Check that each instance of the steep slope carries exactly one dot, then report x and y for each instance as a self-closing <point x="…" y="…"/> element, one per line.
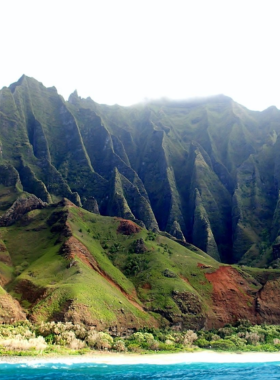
<point x="193" y="158"/>
<point x="63" y="263"/>
<point x="205" y="171"/>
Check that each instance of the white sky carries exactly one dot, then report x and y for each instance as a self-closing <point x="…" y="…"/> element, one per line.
<point x="123" y="51"/>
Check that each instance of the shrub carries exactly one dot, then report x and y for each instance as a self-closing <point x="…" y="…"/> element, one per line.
<point x="189" y="338"/>
<point x="91" y="338"/>
<point x="202" y="343"/>
<point x="103" y="341"/>
<point x="148" y="337"/>
<point x="134" y="347"/>
<point x="52" y="328"/>
<point x="171" y="337"/>
<point x="119" y="346"/>
<point x="140" y="337"/>
<point x="65" y="338"/>
<point x="215" y="337"/>
<point x="165" y="347"/>
<point x="18" y="344"/>
<point x="9" y="331"/>
<point x="153" y="345"/>
<point x="223" y="344"/>
<point x="253" y="338"/>
<point x="269" y="348"/>
<point x="239" y="342"/>
<point x="226" y="331"/>
<point x="169" y="342"/>
<point x="77" y="344"/>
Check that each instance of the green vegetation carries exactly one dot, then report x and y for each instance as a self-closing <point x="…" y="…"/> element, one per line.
<point x="64" y="263"/>
<point x="204" y="171"/>
<point x="68" y="338"/>
<point x="179" y="173"/>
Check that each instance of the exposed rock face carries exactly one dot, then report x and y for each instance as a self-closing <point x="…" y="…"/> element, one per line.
<point x="202" y="232"/>
<point x="29" y="291"/>
<point x="32" y="184"/>
<point x="188" y="302"/>
<point x="20" y="207"/>
<point x="91" y="205"/>
<point x="177" y="232"/>
<point x="234" y="298"/>
<point x="58" y="221"/>
<point x="190" y="315"/>
<point x="10" y="310"/>
<point x="127" y="227"/>
<point x="8" y="175"/>
<point x="73" y="249"/>
<point x="268" y="301"/>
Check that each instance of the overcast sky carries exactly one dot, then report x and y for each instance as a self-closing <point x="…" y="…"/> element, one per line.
<point x="123" y="51"/>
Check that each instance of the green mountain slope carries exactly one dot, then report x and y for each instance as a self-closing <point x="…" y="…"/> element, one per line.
<point x="60" y="262"/>
<point x="205" y="171"/>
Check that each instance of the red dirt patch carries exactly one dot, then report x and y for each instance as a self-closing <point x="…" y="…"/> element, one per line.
<point x="232" y="297"/>
<point x="127" y="227"/>
<point x="73" y="248"/>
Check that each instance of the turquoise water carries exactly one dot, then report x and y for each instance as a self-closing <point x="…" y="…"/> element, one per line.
<point x="196" y="371"/>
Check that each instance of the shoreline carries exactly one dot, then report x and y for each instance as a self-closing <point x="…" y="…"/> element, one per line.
<point x="157" y="359"/>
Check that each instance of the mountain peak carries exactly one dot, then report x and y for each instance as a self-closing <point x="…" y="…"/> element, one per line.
<point x="74" y="97"/>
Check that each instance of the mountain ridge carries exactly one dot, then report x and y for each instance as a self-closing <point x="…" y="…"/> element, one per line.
<point x="121" y="218"/>
<point x="185" y="167"/>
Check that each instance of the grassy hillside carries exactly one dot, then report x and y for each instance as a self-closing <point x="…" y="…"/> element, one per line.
<point x="60" y="262"/>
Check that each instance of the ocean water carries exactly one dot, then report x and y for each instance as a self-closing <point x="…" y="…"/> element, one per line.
<point x="194" y="371"/>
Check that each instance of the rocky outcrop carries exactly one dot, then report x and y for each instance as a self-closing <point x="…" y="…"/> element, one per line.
<point x="10" y="310"/>
<point x="8" y="175"/>
<point x="202" y="232"/>
<point x="127" y="227"/>
<point x="21" y="206"/>
<point x="169" y="274"/>
<point x="267" y="302"/>
<point x="33" y="185"/>
<point x="29" y="291"/>
<point x="177" y="232"/>
<point x="91" y="205"/>
<point x="138" y="246"/>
